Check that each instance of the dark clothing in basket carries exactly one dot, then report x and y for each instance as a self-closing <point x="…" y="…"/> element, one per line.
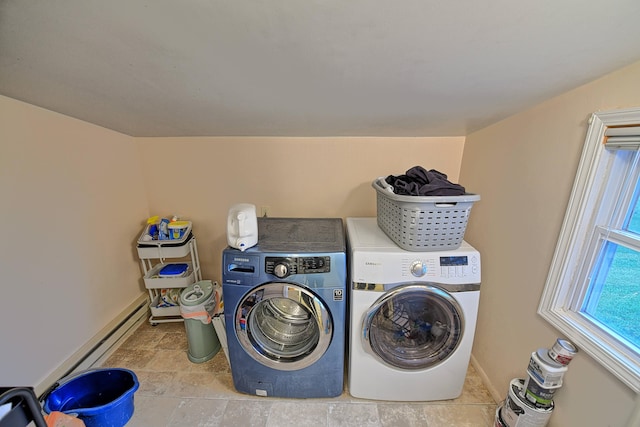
<point x="419" y="182"/>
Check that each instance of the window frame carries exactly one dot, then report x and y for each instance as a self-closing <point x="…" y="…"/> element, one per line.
<point x="577" y="248"/>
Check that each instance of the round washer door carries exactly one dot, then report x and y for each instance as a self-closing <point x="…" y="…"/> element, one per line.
<point x="283" y="326"/>
<point x="413" y="327"/>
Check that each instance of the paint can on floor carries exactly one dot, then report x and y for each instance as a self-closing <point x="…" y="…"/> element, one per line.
<point x="540" y="396"/>
<point x="562" y="351"/>
<point x="519" y="412"/>
<point x="499" y="422"/>
<point x="547" y="372"/>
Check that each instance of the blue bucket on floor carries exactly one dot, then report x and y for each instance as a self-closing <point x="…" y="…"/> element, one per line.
<point x="100" y="397"/>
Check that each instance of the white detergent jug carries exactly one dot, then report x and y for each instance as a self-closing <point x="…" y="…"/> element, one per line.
<point x="242" y="226"/>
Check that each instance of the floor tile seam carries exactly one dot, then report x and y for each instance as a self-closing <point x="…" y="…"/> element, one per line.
<point x="423" y="403"/>
<point x="205" y="397"/>
<point x="344" y="400"/>
<point x="241" y="398"/>
<point x="140" y="348"/>
<point x="183" y="397"/>
<point x="335" y="403"/>
<point x="459" y="404"/>
<point x="283" y="399"/>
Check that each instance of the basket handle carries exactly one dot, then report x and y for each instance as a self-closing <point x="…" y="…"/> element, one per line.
<point x="445" y="205"/>
<point x="383" y="184"/>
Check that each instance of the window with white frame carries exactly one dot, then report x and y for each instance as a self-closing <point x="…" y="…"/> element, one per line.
<point x="592" y="293"/>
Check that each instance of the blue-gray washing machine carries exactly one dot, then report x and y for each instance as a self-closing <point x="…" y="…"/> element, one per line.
<point x="285" y="309"/>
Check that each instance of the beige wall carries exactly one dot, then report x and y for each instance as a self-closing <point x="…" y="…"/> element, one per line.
<point x="523" y="167"/>
<point x="72" y="199"/>
<point x="200" y="178"/>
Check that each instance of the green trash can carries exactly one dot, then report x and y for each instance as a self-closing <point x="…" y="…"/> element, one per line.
<point x="198" y="304"/>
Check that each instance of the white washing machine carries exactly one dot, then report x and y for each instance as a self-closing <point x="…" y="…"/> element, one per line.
<point x="412" y="317"/>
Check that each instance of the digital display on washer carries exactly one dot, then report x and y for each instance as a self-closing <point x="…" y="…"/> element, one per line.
<point x="450" y="261"/>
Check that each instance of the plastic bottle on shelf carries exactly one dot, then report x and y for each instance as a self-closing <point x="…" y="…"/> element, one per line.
<point x="152" y="232"/>
<point x="163" y="233"/>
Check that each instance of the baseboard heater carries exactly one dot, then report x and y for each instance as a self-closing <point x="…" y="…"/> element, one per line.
<point x="101" y="345"/>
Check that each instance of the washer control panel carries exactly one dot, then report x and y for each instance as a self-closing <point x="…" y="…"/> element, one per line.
<point x="445" y="268"/>
<point x="451" y="266"/>
<point x="282" y="267"/>
<point x="458" y="266"/>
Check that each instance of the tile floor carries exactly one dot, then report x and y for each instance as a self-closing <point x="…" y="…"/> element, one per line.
<point x="175" y="392"/>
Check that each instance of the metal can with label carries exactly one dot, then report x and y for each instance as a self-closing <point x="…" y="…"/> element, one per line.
<point x="562" y="351"/>
<point x="545" y="370"/>
<point x="498" y="421"/>
<point x="519" y="412"/>
<point x="540" y="396"/>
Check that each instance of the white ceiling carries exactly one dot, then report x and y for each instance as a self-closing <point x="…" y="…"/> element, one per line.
<point x="306" y="67"/>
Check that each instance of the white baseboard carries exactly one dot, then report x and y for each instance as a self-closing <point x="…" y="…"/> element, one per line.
<point x="102" y="344"/>
<point x="498" y="396"/>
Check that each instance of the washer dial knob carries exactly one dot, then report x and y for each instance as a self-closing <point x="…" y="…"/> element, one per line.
<point x="418" y="268"/>
<point x="281" y="270"/>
